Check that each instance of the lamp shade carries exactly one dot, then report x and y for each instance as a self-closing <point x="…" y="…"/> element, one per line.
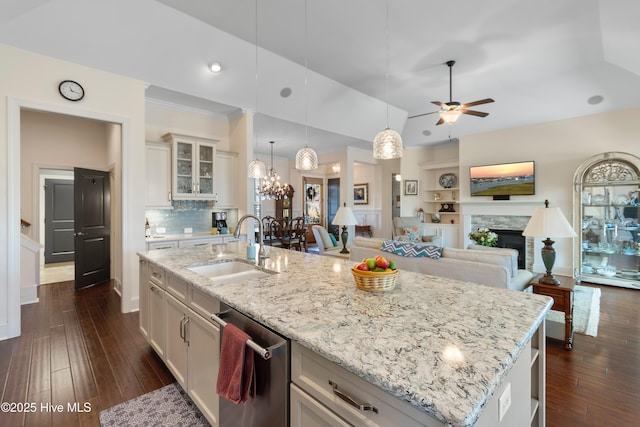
<point x="344" y="216"/>
<point x="387" y="145"/>
<point x="306" y="159"/>
<point x="548" y="222"/>
<point x="257" y="169"/>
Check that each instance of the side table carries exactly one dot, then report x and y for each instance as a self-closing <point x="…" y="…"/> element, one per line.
<point x="363" y="229"/>
<point x="562" y="295"/>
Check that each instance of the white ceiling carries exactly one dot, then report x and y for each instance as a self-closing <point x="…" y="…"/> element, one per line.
<point x="541" y="61"/>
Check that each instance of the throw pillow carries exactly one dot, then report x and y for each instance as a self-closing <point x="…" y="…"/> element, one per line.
<point x="333" y="239"/>
<point x="412" y="250"/>
<point x="413" y="233"/>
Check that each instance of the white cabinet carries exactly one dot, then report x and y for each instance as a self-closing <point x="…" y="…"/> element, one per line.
<point x="157" y="311"/>
<point x="193" y="167"/>
<point x="203" y="362"/>
<point x="177" y="339"/>
<point x="226" y="181"/>
<point x="143" y="291"/>
<point x="176" y="318"/>
<point x="158" y="174"/>
<point x="333" y="396"/>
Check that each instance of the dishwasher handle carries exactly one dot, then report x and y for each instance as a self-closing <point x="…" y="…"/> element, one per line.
<point x="265" y="353"/>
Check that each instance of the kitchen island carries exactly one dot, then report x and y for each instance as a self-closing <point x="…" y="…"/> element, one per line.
<point x="442" y="346"/>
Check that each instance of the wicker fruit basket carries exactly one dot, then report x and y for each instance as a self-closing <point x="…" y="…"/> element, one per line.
<point x="375" y="281"/>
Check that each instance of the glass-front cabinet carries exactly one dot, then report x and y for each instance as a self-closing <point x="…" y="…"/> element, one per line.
<point x="607" y="208"/>
<point x="193" y="167"/>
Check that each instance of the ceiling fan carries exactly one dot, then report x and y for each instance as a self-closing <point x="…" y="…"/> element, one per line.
<point x="452" y="110"/>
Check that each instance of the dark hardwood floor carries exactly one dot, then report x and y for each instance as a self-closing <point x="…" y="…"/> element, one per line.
<point x="78" y="347"/>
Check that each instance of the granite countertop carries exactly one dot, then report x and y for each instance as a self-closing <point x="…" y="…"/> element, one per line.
<point x="441" y="345"/>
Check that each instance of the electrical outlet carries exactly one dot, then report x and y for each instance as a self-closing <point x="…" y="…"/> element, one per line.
<point x="504" y="402"/>
<point x="188" y="230"/>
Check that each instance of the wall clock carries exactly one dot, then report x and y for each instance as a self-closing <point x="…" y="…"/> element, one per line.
<point x="71" y="90"/>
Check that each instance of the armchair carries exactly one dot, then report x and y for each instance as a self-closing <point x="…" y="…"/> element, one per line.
<point x="324" y="241"/>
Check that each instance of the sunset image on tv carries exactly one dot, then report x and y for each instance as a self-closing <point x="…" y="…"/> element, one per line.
<point x="504" y="179"/>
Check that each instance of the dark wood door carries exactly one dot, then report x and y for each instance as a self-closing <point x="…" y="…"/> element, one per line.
<point x="92" y="204"/>
<point x="58" y="220"/>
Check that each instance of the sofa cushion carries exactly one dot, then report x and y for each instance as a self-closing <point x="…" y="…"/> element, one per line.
<point x="412" y="250"/>
<point x="487" y="257"/>
<point x="513" y="253"/>
<point x="367" y="242"/>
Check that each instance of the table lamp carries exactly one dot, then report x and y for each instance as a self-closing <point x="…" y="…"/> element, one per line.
<point x="548" y="222"/>
<point x="344" y="217"/>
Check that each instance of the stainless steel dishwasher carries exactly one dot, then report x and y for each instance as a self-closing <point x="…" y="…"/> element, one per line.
<point x="271" y="405"/>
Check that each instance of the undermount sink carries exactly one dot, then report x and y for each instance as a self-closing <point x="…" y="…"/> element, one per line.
<point x="229" y="271"/>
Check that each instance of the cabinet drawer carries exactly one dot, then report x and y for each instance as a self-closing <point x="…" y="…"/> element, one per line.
<point x="177" y="287"/>
<point x="156" y="275"/>
<point x="313" y="374"/>
<point x="191" y="243"/>
<point x="203" y="303"/>
<point x="170" y="244"/>
<point x="561" y="299"/>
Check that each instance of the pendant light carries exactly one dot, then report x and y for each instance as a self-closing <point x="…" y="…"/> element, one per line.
<point x="256" y="169"/>
<point x="306" y="158"/>
<point x="388" y="143"/>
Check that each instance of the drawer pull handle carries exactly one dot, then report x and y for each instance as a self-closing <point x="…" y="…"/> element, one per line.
<point x="351" y="401"/>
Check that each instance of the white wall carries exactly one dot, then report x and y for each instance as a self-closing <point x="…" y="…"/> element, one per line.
<point x="558" y="148"/>
<point x="29" y="81"/>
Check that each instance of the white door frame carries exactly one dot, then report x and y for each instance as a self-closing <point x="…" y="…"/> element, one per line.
<point x="14" y="107"/>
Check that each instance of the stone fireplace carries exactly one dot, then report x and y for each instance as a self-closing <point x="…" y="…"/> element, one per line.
<point x="509" y="230"/>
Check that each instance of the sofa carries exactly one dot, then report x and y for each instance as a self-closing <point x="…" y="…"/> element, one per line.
<point x="496" y="267"/>
<point x="410" y="228"/>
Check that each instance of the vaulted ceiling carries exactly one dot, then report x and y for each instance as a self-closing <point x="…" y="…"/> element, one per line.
<point x="540" y="61"/>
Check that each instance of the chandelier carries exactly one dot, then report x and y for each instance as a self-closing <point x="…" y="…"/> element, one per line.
<point x="271" y="186"/>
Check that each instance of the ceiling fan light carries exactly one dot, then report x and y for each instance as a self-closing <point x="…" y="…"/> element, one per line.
<point x="450" y="116"/>
<point x="306" y="159"/>
<point x="387" y="145"/>
<point x="257" y="169"/>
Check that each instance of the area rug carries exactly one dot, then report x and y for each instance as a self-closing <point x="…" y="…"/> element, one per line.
<point x="586" y="311"/>
<point x="167" y="406"/>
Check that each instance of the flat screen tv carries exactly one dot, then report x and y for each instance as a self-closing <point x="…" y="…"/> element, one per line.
<point x="505" y="179"/>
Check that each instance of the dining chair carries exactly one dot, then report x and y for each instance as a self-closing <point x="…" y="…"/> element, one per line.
<point x="266" y="227"/>
<point x="279" y="232"/>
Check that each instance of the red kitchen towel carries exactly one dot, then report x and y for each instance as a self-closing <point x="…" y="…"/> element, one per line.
<point x="236" y="373"/>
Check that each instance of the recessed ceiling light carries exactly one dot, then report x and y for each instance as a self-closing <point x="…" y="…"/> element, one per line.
<point x="285" y="92"/>
<point x="595" y="99"/>
<point x="215" y="67"/>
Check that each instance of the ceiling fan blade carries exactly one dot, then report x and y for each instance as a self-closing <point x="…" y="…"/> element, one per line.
<point x="423" y="114"/>
<point x="441" y="121"/>
<point x="441" y="105"/>
<point x="482" y="101"/>
<point x="474" y="113"/>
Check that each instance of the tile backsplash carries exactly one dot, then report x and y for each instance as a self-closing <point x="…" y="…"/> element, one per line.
<point x="195" y="214"/>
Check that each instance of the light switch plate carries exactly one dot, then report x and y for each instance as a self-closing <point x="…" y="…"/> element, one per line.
<point x="188" y="230"/>
<point x="504" y="402"/>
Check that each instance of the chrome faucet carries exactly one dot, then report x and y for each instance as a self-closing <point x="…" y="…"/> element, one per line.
<point x="262" y="253"/>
